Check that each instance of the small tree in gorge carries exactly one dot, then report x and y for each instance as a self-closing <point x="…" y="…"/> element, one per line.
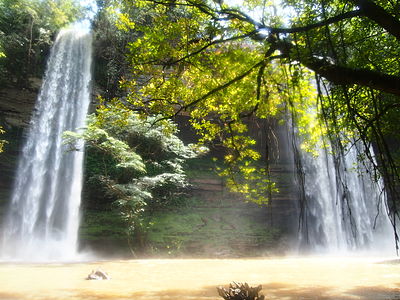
<point x="133" y="162"/>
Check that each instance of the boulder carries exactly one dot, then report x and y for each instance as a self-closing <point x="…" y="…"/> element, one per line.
<point x="98" y="275"/>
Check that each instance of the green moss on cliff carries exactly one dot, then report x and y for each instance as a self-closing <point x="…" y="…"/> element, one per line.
<point x="210" y="229"/>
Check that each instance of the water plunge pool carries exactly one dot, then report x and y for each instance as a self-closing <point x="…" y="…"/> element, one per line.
<point x="281" y="278"/>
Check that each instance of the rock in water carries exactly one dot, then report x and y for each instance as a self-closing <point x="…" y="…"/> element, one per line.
<point x="98" y="275"/>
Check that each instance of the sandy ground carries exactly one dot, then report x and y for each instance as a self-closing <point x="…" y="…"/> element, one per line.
<point x="281" y="278"/>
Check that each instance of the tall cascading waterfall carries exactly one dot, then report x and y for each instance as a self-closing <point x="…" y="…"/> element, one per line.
<point x="344" y="209"/>
<point x="43" y="218"/>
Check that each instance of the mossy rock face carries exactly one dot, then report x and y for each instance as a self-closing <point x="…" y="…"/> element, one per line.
<point x="218" y="231"/>
<point x="98" y="224"/>
<point x="195" y="230"/>
<point x="9" y="162"/>
<point x="210" y="222"/>
<point x="104" y="233"/>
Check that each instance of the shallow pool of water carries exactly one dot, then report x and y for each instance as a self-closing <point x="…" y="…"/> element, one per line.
<point x="281" y="278"/>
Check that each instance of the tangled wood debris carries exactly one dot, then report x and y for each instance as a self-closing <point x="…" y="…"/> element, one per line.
<point x="240" y="291"/>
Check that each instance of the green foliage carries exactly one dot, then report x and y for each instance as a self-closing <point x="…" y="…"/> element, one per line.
<point x="226" y="69"/>
<point x="109" y="50"/>
<point x="184" y="61"/>
<point x="137" y="163"/>
<point x="26" y="31"/>
<point x="356" y="112"/>
<point x="357" y="43"/>
<point x="2" y="142"/>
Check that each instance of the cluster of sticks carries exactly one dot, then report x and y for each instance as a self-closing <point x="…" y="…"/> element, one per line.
<point x="240" y="291"/>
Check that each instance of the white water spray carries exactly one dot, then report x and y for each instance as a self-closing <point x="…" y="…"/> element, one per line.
<point x="43" y="217"/>
<point x="345" y="209"/>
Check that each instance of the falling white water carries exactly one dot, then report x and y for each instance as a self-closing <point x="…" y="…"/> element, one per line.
<point x="345" y="208"/>
<point x="43" y="217"/>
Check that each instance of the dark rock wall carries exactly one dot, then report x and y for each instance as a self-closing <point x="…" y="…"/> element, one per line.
<point x="16" y="107"/>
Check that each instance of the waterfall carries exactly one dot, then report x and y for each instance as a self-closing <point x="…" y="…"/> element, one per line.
<point x="345" y="209"/>
<point x="43" y="217"/>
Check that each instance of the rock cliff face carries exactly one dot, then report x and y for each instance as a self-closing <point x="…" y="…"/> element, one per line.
<point x="16" y="107"/>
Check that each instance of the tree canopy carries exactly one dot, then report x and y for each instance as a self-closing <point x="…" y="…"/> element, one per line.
<point x="27" y="28"/>
<point x="226" y="66"/>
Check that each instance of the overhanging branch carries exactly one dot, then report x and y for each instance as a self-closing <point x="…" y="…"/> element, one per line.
<point x="343" y="75"/>
<point x="380" y="16"/>
<point x="335" y="19"/>
<point x="215" y="42"/>
<point x="347" y="76"/>
<point x="221" y="87"/>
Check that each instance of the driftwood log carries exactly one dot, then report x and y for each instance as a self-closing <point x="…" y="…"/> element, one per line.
<point x="240" y="291"/>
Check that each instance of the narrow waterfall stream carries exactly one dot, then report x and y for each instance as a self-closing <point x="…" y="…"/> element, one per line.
<point x="43" y="217"/>
<point x="345" y="209"/>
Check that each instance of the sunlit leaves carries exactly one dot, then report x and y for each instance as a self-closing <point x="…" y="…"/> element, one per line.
<point x="124" y="22"/>
<point x="2" y="142"/>
<point x="195" y="59"/>
<point x="187" y="62"/>
<point x="206" y="60"/>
